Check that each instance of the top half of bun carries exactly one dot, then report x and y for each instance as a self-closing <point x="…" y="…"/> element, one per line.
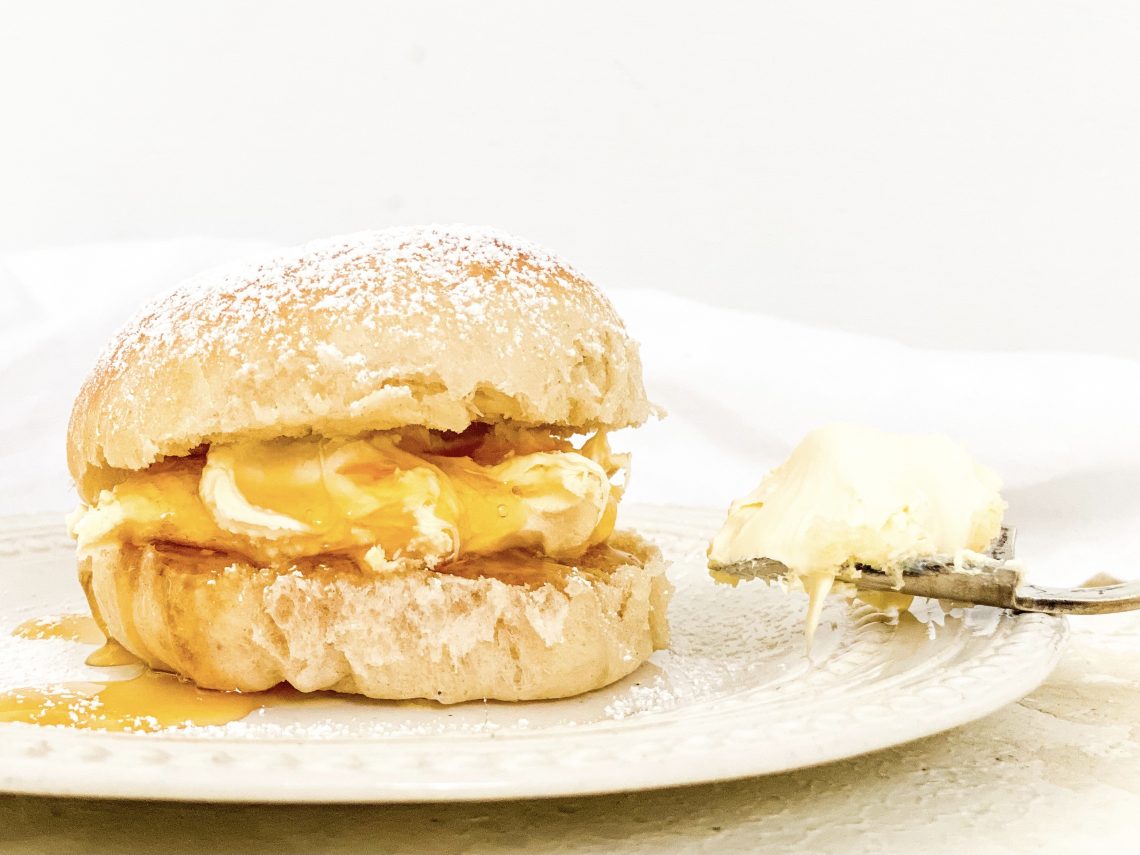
<point x="433" y="326"/>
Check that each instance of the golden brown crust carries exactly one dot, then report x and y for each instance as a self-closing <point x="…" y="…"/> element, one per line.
<point x="436" y="326"/>
<point x="230" y="625"/>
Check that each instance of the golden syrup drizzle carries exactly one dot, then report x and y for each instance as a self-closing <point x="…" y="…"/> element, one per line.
<point x="722" y="578"/>
<point x="885" y="601"/>
<point x="151" y="701"/>
<point x="519" y="567"/>
<point x="111" y="654"/>
<point x="81" y="628"/>
<point x="424" y="703"/>
<point x="125" y="603"/>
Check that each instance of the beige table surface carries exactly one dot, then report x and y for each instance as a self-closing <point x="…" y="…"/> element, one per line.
<point x="1057" y="772"/>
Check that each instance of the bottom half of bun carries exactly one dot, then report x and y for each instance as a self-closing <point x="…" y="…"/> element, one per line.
<point x="328" y="624"/>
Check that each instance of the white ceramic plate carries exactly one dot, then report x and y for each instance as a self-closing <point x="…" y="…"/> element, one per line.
<point x="734" y="696"/>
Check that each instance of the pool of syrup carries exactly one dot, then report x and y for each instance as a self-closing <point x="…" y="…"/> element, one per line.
<point x="151" y="701"/>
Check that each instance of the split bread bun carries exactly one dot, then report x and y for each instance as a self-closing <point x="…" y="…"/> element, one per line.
<point x="375" y="464"/>
<point x="424" y="634"/>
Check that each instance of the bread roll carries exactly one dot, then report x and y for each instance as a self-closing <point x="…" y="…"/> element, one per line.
<point x="450" y="329"/>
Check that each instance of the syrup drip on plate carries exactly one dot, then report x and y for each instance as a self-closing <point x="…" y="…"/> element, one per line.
<point x="81" y="628"/>
<point x="111" y="654"/>
<point x="151" y="701"/>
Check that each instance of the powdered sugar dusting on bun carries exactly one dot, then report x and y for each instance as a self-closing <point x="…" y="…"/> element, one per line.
<point x="436" y="326"/>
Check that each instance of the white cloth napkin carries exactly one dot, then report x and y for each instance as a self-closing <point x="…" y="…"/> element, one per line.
<point x="740" y="390"/>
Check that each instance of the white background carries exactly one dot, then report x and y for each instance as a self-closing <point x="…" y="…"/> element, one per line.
<point x="959" y="174"/>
